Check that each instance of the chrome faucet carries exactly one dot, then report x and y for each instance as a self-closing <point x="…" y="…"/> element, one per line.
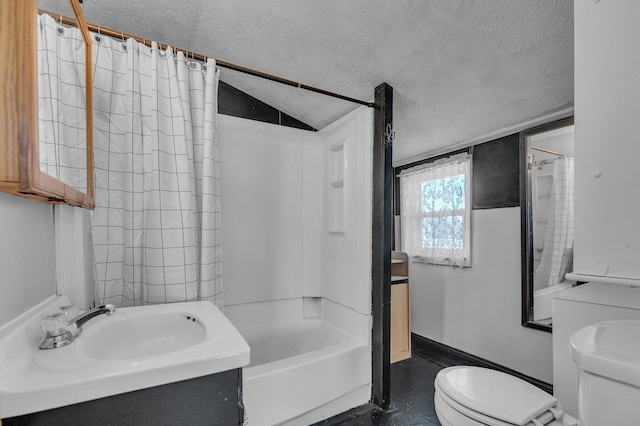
<point x="63" y="327"/>
<point x="81" y="319"/>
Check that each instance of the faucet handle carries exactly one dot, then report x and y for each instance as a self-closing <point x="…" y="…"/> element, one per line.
<point x="70" y="311"/>
<point x="55" y="324"/>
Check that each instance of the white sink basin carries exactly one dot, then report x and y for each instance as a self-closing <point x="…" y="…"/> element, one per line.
<point x="127" y="334"/>
<point x="135" y="348"/>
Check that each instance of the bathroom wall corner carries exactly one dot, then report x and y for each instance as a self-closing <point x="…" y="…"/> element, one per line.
<point x="74" y="255"/>
<point x="26" y="255"/>
<point x="312" y="217"/>
<point x="312" y="307"/>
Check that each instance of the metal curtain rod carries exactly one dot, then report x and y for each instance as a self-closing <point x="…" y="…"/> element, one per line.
<point x="200" y="57"/>
<point x="548" y="151"/>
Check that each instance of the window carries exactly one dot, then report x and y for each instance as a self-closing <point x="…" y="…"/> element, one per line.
<point x="435" y="211"/>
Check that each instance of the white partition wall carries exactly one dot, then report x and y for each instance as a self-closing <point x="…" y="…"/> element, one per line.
<point x="347" y="191"/>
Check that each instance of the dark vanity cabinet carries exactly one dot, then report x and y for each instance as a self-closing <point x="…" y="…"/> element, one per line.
<point x="209" y="400"/>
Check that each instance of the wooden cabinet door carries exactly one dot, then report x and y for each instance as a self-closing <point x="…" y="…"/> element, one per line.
<point x="400" y="330"/>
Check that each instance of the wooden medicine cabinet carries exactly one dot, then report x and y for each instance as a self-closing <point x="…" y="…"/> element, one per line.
<point x="20" y="168"/>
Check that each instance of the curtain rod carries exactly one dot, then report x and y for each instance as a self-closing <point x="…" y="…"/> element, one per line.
<point x="548" y="151"/>
<point x="224" y="64"/>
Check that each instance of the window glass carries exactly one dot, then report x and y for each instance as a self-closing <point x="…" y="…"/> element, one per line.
<point x="434" y="215"/>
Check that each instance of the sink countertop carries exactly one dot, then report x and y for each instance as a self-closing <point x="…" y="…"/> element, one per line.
<point x="33" y="380"/>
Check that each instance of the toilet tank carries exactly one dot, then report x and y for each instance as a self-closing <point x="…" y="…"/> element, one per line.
<point x="607" y="356"/>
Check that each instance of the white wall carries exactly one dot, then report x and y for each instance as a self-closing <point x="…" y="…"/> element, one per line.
<point x="74" y="255"/>
<point x="261" y="177"/>
<point x="478" y="309"/>
<point x="27" y="272"/>
<point x="607" y="84"/>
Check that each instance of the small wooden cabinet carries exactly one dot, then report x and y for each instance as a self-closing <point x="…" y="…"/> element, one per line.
<point x="400" y="307"/>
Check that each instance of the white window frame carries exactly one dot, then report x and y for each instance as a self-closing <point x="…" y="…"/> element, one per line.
<point x="411" y="234"/>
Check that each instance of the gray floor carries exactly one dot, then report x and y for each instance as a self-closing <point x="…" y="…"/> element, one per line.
<point x="411" y="393"/>
<point x="411" y="398"/>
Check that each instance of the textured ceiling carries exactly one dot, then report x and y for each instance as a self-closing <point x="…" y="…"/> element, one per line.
<point x="460" y="69"/>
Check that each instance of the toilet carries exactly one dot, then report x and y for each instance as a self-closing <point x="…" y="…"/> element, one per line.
<point x="607" y="356"/>
<point x="474" y="396"/>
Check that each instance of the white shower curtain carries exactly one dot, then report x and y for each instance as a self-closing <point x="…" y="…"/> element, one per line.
<point x="156" y="224"/>
<point x="557" y="252"/>
<point x="61" y="103"/>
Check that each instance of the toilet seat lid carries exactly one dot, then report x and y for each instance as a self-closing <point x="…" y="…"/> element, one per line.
<point x="494" y="394"/>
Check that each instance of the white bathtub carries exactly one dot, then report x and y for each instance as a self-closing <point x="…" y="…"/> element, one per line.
<point x="302" y="370"/>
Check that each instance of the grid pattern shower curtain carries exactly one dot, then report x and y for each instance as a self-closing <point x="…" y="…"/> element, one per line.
<point x="61" y="93"/>
<point x="557" y="253"/>
<point x="156" y="224"/>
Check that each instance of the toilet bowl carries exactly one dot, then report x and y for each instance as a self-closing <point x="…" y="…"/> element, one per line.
<point x="474" y="396"/>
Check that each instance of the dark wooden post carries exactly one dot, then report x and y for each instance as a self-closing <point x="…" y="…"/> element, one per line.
<point x="381" y="245"/>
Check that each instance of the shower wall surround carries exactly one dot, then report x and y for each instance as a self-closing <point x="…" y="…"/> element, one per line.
<point x="279" y="230"/>
<point x="262" y="200"/>
<point x="346" y="261"/>
<point x="296" y="231"/>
